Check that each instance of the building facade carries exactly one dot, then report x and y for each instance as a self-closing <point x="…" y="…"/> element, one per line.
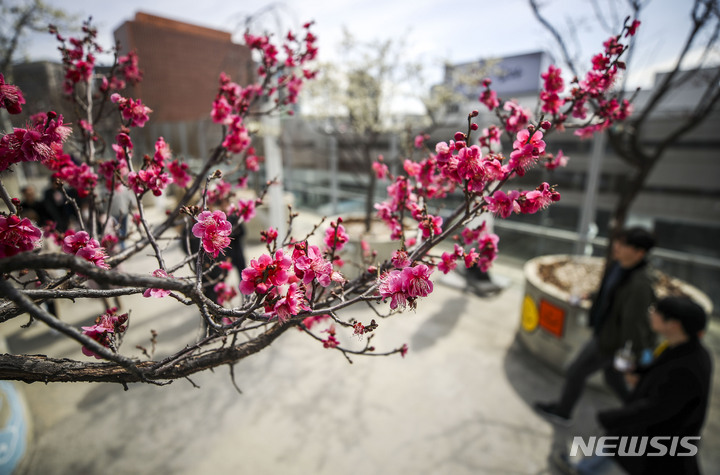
<point x="181" y="65"/>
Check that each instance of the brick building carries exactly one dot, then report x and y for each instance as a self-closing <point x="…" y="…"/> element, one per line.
<point x="181" y="65"/>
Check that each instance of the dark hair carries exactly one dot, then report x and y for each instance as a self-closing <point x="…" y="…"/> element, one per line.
<point x="637" y="237"/>
<point x="691" y="316"/>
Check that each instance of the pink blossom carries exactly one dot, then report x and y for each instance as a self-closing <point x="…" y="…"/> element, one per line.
<point x="220" y="192"/>
<point x="490" y="99"/>
<point x="108" y="170"/>
<point x="416" y="281"/>
<point x="11" y="97"/>
<point x="265" y="271"/>
<point x="502" y="204"/>
<point x="158" y="293"/>
<point x="400" y="259"/>
<point x="553" y="79"/>
<point x="404" y="286"/>
<point x="81" y="177"/>
<point x="632" y="28"/>
<point x="359" y="329"/>
<point x="152" y="179"/>
<point x="526" y="149"/>
<point x="105" y="329"/>
<point x="221" y="110"/>
<point x="518" y="118"/>
<point x="291" y="304"/>
<point x="365" y="248"/>
<point x="551" y="102"/>
<point x="431" y="226"/>
<point x="74" y="241"/>
<point x="579" y="109"/>
<point x="470" y="164"/>
<point x="93" y="253"/>
<point x="82" y="245"/>
<point x="269" y="235"/>
<point x="487" y="251"/>
<point x="109" y="241"/>
<point x="471" y="258"/>
<point x="556" y="161"/>
<point x="213" y="228"/>
<point x="237" y="138"/>
<point x="309" y="322"/>
<point x="128" y="67"/>
<point x="490" y="136"/>
<point x="162" y="152"/>
<point x="225" y="293"/>
<point x="17" y="235"/>
<point x="540" y="198"/>
<point x="380" y="169"/>
<point x="448" y="262"/>
<point x="39" y="142"/>
<point x="590" y="130"/>
<point x="252" y="161"/>
<point x="311" y="265"/>
<point x="412" y="168"/>
<point x="391" y="286"/>
<point x="331" y="341"/>
<point x="134" y="112"/>
<point x="600" y="62"/>
<point x="471" y="235"/>
<point x="179" y="173"/>
<point x="246" y="209"/>
<point x="335" y="236"/>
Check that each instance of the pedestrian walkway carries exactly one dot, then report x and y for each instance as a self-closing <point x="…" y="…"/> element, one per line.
<point x="459" y="403"/>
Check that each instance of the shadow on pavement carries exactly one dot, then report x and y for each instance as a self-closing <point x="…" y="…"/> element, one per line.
<point x="439" y="325"/>
<point x="533" y="380"/>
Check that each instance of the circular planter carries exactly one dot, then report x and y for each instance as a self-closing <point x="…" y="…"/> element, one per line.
<point x="554" y="320"/>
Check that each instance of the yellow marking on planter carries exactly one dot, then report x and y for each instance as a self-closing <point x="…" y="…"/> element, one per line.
<point x="530" y="315"/>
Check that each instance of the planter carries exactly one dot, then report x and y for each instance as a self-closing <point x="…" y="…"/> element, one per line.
<point x="554" y="321"/>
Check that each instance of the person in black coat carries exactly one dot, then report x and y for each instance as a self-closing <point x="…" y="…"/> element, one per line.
<point x="617" y="317"/>
<point x="671" y="395"/>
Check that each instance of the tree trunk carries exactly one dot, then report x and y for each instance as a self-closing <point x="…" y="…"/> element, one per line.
<point x="627" y="197"/>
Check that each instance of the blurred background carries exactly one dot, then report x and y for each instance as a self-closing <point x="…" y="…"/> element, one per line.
<point x="390" y="71"/>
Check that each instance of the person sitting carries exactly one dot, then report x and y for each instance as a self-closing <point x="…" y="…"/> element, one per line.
<point x="671" y="395"/>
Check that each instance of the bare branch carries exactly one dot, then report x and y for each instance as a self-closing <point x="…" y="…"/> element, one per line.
<point x="558" y="37"/>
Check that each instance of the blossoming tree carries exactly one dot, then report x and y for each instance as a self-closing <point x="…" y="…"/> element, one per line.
<point x="631" y="142"/>
<point x="298" y="283"/>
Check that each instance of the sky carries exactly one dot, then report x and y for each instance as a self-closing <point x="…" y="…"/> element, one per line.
<point x="434" y="31"/>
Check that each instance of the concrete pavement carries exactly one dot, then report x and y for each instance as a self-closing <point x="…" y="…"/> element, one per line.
<point x="459" y="403"/>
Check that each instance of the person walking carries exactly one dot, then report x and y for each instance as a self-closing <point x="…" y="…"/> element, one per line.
<point x="660" y="424"/>
<point x="618" y="318"/>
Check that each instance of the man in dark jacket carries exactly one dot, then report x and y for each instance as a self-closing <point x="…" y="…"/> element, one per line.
<point x="618" y="317"/>
<point x="671" y="397"/>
